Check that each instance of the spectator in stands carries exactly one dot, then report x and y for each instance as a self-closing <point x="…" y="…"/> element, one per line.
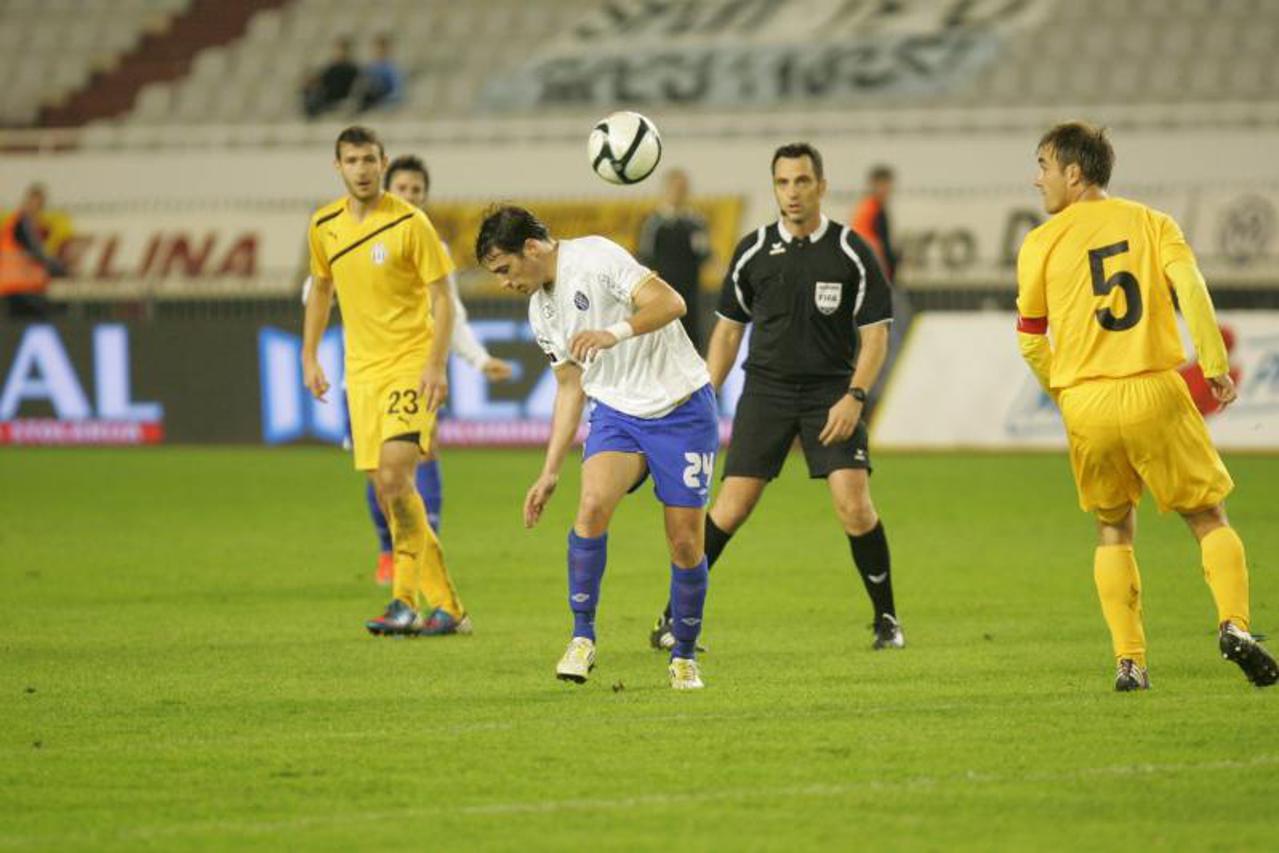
<point x="674" y="242"/>
<point x="381" y="82"/>
<point x="331" y="85"/>
<point x="871" y="222"/>
<point x="870" y="218"/>
<point x="25" y="268"/>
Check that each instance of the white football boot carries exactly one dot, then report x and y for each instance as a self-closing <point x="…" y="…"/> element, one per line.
<point x="685" y="675"/>
<point x="578" y="661"/>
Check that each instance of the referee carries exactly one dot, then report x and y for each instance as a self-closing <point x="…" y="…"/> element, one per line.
<point x="821" y="309"/>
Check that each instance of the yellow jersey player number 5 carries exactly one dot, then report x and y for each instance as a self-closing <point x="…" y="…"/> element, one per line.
<point x="1099" y="277"/>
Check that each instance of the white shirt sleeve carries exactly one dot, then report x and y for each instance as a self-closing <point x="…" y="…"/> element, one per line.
<point x="620" y="274"/>
<point x="464" y="342"/>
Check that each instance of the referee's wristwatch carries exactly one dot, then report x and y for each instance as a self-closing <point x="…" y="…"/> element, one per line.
<point x="858" y="394"/>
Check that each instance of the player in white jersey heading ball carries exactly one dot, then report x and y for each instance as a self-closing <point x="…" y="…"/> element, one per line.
<point x="607" y="324"/>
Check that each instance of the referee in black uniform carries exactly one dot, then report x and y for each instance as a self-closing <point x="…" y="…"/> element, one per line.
<point x="821" y="309"/>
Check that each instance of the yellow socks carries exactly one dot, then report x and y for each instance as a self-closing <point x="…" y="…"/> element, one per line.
<point x="1119" y="588"/>
<point x="437" y="587"/>
<point x="1226" y="572"/>
<point x="407" y="519"/>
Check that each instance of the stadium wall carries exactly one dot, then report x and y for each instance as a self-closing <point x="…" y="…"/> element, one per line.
<point x="960" y="384"/>
<point x="232" y="221"/>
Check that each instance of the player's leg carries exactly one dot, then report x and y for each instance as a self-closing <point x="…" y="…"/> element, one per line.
<point x="607" y="475"/>
<point x="846" y="468"/>
<point x="429" y="483"/>
<point x="681" y="456"/>
<point x="1225" y="568"/>
<point x="1225" y="564"/>
<point x="689" y="581"/>
<point x="397" y="459"/>
<point x="1177" y="460"/>
<point x="405" y="428"/>
<point x="868" y="543"/>
<point x="1118" y="583"/>
<point x="386" y="560"/>
<point x="763" y="428"/>
<point x="1109" y="488"/>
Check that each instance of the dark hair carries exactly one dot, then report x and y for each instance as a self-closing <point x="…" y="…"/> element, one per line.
<point x="357" y="135"/>
<point x="881" y="172"/>
<point x="406" y="163"/>
<point x="1084" y="145"/>
<point x="794" y="151"/>
<point x="505" y="229"/>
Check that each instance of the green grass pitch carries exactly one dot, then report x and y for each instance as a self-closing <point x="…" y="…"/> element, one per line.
<point x="183" y="666"/>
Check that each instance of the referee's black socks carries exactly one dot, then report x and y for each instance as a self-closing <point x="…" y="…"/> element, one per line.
<point x="870" y="553"/>
<point x="716" y="539"/>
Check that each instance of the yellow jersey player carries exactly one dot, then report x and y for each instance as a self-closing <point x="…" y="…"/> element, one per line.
<point x="1099" y="276"/>
<point x="390" y="271"/>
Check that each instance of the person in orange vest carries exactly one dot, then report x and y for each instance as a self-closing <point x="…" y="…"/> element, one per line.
<point x="25" y="269"/>
<point x="870" y="218"/>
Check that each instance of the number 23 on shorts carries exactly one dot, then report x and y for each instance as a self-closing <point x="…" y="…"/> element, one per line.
<point x="403" y="402"/>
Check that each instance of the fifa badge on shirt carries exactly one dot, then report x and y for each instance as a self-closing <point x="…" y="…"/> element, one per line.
<point x="580" y="300"/>
<point x="827" y="296"/>
<point x="379" y="253"/>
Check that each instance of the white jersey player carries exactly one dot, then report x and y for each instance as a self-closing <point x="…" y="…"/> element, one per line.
<point x="607" y="324"/>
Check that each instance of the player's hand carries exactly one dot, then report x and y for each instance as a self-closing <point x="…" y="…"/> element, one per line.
<point x="1223" y="389"/>
<point x="585" y="345"/>
<point x="314" y="379"/>
<point x="841" y="421"/>
<point x="496" y="370"/>
<point x="538" y="496"/>
<point x="434" y="387"/>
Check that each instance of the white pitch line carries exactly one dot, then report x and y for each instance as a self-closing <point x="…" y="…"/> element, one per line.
<point x="639" y="801"/>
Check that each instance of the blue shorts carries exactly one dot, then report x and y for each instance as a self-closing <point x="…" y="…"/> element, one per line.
<point x="679" y="447"/>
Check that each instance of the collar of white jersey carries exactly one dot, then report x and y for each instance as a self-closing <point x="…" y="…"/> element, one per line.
<point x="812" y="238"/>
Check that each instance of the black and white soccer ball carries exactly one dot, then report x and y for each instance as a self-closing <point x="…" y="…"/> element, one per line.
<point x="624" y="148"/>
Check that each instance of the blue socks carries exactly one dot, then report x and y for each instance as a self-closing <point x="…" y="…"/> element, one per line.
<point x="429" y="486"/>
<point x="586" y="558"/>
<point x="688" y="598"/>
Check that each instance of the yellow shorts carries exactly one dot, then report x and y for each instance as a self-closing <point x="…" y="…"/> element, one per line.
<point x="382" y="409"/>
<point x="1141" y="429"/>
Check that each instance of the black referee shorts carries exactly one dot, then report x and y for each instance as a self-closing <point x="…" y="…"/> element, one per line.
<point x="770" y="415"/>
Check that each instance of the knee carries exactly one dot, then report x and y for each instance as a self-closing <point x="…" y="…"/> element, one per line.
<point x="1116" y="526"/>
<point x="857" y="515"/>
<point x="592" y="515"/>
<point x="686" y="549"/>
<point x="392" y="486"/>
<point x="1204" y="521"/>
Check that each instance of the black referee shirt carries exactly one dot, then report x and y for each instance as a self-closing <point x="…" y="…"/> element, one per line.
<point x="807" y="297"/>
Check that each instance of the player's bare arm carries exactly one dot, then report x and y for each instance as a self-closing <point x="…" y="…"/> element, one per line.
<point x="844" y="415"/>
<point x="656" y="304"/>
<point x="434" y="388"/>
<point x="318" y="305"/>
<point x="570" y="399"/>
<point x="721" y="351"/>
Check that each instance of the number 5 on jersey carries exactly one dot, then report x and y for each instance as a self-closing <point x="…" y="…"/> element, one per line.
<point x="1125" y="281"/>
<point x="697" y="475"/>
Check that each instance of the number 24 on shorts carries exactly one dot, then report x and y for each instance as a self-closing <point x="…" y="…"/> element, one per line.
<point x="700" y="465"/>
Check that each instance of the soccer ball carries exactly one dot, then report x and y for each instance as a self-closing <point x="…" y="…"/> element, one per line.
<point x="624" y="148"/>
